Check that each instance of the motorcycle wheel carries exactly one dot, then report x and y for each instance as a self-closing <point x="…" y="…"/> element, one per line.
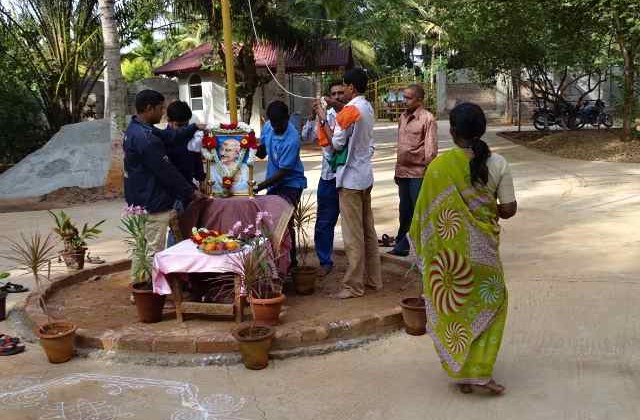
<point x="606" y="120"/>
<point x="541" y="121"/>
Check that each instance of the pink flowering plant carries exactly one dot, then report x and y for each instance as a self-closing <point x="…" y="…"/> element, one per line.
<point x="134" y="225"/>
<point x="257" y="266"/>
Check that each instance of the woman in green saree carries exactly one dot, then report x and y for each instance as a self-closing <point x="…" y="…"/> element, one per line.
<point x="455" y="238"/>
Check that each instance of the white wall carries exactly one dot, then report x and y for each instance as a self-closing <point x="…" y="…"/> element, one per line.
<point x="213" y="93"/>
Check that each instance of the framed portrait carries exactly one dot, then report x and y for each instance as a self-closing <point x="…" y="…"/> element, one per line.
<point x="230" y="158"/>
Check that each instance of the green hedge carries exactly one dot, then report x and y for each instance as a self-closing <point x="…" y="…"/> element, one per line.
<point x="23" y="127"/>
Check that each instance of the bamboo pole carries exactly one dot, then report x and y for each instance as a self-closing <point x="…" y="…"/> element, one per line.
<point x="228" y="58"/>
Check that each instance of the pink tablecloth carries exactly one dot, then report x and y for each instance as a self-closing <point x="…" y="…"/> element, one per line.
<point x="221" y="213"/>
<point x="184" y="258"/>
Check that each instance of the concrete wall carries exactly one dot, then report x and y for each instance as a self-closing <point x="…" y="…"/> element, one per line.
<point x="166" y="86"/>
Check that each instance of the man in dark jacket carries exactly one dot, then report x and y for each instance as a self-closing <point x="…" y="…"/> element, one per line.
<point x="150" y="179"/>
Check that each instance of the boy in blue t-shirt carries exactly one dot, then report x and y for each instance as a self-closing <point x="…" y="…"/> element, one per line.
<point x="280" y="142"/>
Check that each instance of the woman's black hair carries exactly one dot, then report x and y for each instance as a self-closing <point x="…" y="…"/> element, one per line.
<point x="469" y="123"/>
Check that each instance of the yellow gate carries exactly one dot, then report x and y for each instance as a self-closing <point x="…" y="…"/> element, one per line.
<point x="386" y="96"/>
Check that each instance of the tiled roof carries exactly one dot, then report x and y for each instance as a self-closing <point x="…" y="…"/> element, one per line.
<point x="332" y="56"/>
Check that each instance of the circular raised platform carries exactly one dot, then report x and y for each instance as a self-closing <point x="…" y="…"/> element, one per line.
<point x="97" y="301"/>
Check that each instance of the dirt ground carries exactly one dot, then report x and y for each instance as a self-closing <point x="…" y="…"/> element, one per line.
<point x="103" y="304"/>
<point x="593" y="145"/>
<point x="60" y="198"/>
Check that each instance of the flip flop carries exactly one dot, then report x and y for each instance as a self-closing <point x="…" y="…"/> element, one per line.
<point x="5" y="339"/>
<point x="94" y="260"/>
<point x="11" y="349"/>
<point x="13" y="288"/>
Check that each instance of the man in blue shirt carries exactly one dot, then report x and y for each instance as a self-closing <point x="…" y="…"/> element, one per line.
<point x="280" y="141"/>
<point x="150" y="179"/>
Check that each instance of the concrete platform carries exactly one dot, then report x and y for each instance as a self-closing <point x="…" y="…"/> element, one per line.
<point x="97" y="301"/>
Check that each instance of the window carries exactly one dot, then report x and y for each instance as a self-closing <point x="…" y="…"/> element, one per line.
<point x="195" y="93"/>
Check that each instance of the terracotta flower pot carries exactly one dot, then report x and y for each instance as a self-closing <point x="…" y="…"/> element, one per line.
<point x="414" y="316"/>
<point x="3" y="305"/>
<point x="267" y="311"/>
<point x="58" y="340"/>
<point x="254" y="342"/>
<point x="74" y="259"/>
<point x="149" y="304"/>
<point x="304" y="279"/>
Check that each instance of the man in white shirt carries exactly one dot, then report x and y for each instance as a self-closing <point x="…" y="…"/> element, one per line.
<point x="353" y="145"/>
<point x="328" y="203"/>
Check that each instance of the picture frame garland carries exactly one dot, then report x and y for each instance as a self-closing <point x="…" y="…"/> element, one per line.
<point x="248" y="145"/>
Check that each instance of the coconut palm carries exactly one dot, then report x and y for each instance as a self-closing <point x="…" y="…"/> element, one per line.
<point x="57" y="44"/>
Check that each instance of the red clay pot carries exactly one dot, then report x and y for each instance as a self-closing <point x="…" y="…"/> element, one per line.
<point x="255" y="342"/>
<point x="267" y="311"/>
<point x="414" y="316"/>
<point x="149" y="304"/>
<point x="3" y="305"/>
<point x="58" y="340"/>
<point x="74" y="259"/>
<point x="304" y="279"/>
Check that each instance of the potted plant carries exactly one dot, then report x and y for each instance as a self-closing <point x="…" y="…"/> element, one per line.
<point x="255" y="338"/>
<point x="134" y="225"/>
<point x="304" y="275"/>
<point x="414" y="313"/>
<point x="75" y="241"/>
<point x="3" y="299"/>
<point x="33" y="255"/>
<point x="260" y="275"/>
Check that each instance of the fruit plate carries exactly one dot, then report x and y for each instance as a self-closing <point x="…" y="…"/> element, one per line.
<point x="221" y="252"/>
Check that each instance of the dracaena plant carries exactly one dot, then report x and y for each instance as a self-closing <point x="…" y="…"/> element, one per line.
<point x="303" y="215"/>
<point x="33" y="254"/>
<point x="134" y="225"/>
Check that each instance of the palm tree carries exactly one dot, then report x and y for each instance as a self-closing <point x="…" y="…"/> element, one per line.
<point x="56" y="44"/>
<point x="115" y="94"/>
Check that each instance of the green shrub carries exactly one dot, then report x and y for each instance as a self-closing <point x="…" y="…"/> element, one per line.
<point x="24" y="127"/>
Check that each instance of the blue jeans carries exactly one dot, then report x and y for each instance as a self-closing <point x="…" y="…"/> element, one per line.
<point x="328" y="206"/>
<point x="408" y="189"/>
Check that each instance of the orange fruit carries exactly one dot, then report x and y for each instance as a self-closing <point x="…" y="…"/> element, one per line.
<point x="210" y="247"/>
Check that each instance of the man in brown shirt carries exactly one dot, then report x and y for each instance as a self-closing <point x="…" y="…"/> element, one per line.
<point x="417" y="146"/>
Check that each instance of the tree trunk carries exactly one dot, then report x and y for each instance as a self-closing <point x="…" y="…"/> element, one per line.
<point x="629" y="100"/>
<point x="117" y="89"/>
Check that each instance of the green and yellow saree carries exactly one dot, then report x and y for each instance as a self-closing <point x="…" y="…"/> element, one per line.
<point x="455" y="238"/>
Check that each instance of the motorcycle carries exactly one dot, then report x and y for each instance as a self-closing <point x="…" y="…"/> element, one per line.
<point x="594" y="114"/>
<point x="545" y="118"/>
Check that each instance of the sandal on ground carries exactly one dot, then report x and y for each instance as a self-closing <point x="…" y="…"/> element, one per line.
<point x="386" y="240"/>
<point x="13" y="288"/>
<point x="10" y="349"/>
<point x="94" y="260"/>
<point x="4" y="339"/>
<point x="465" y="388"/>
<point x="494" y="387"/>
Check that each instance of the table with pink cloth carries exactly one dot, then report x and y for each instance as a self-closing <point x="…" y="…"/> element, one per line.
<point x="222" y="213"/>
<point x="184" y="257"/>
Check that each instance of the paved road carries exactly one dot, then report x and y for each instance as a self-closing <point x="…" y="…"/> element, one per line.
<point x="569" y="352"/>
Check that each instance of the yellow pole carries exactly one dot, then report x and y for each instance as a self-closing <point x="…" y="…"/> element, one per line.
<point x="228" y="58"/>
